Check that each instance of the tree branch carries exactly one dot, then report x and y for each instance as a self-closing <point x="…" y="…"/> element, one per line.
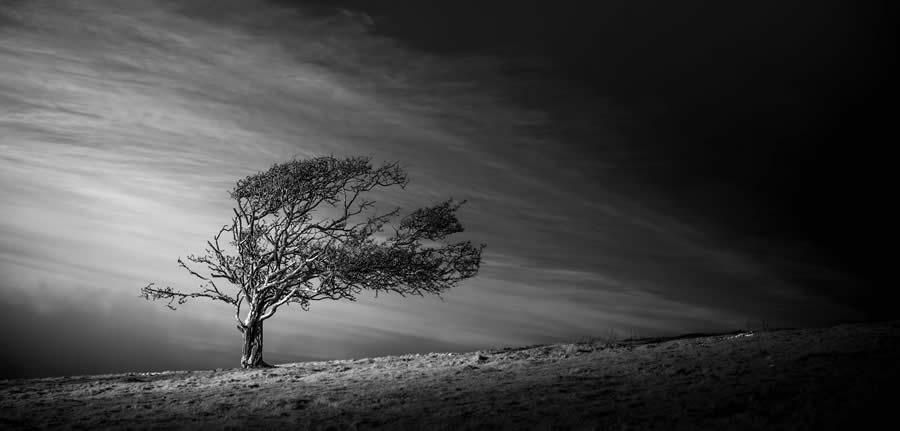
<point x="151" y="294"/>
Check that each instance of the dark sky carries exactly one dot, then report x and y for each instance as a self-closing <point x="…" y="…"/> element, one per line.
<point x="645" y="166"/>
<point x="764" y="119"/>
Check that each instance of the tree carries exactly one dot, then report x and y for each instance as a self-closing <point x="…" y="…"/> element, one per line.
<point x="303" y="232"/>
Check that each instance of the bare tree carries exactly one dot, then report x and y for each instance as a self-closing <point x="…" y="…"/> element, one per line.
<point x="303" y="232"/>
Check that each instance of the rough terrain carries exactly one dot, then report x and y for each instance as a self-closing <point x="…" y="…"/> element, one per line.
<point x="839" y="377"/>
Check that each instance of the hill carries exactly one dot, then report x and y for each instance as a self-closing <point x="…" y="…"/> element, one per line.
<point x="838" y="377"/>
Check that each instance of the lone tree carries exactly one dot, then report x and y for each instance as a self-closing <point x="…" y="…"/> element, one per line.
<point x="303" y="232"/>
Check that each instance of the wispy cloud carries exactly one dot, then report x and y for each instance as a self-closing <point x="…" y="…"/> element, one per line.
<point x="124" y="123"/>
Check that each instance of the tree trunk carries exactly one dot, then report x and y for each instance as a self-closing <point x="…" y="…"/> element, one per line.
<point x="251" y="355"/>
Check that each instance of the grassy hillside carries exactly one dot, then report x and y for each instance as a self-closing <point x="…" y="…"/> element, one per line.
<point x="821" y="378"/>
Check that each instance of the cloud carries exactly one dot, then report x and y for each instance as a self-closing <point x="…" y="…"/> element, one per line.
<point x="124" y="124"/>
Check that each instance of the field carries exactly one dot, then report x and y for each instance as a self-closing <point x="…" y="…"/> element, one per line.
<point x="840" y="377"/>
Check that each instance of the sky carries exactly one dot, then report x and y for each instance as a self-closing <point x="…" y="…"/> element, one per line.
<point x="644" y="167"/>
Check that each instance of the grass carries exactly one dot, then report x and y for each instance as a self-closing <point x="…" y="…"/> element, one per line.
<point x="778" y="379"/>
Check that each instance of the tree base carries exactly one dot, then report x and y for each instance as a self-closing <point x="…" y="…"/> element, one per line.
<point x="260" y="364"/>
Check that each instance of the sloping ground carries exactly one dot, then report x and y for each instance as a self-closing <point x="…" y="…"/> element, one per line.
<point x="840" y="377"/>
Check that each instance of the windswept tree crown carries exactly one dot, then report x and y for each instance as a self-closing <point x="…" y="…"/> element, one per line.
<point x="308" y="183"/>
<point x="302" y="231"/>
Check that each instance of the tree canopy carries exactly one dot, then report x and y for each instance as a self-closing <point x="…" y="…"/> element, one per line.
<point x="303" y="231"/>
